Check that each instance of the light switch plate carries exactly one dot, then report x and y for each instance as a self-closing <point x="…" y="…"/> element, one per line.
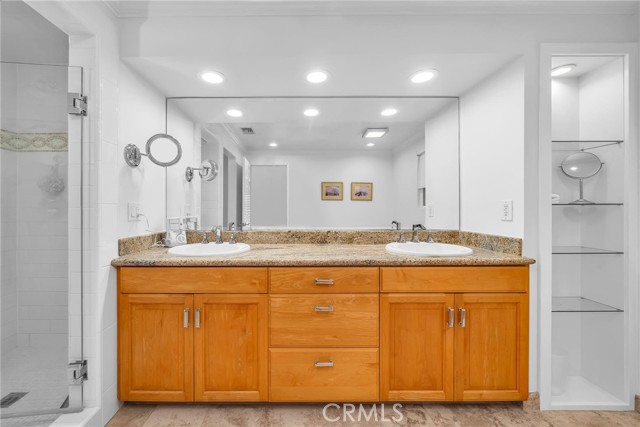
<point x="507" y="210"/>
<point x="430" y="210"/>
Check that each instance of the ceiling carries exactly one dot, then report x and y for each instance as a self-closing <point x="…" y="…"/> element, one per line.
<point x="584" y="64"/>
<point x="144" y="9"/>
<point x="339" y="126"/>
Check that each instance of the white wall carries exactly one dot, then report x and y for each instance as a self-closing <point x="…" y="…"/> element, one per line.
<point x="210" y="190"/>
<point x="307" y="170"/>
<point x="492" y="136"/>
<point x="406" y="208"/>
<point x="442" y="169"/>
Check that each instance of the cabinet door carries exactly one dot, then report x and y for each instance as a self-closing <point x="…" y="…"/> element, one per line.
<point x="492" y="347"/>
<point x="416" y="347"/>
<point x="155" y="347"/>
<point x="231" y="349"/>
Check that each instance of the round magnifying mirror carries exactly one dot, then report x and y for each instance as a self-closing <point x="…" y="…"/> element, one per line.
<point x="163" y="150"/>
<point x="581" y="165"/>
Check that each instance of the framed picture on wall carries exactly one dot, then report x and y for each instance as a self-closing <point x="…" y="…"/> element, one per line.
<point x="362" y="191"/>
<point x="331" y="191"/>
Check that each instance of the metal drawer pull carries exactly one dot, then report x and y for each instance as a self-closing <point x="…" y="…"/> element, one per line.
<point x="324" y="281"/>
<point x="452" y="315"/>
<point x="323" y="308"/>
<point x="196" y="321"/>
<point x="185" y="318"/>
<point x="463" y="317"/>
<point x="328" y="364"/>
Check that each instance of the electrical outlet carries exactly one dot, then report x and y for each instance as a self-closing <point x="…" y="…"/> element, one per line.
<point x="133" y="211"/>
<point x="507" y="210"/>
<point x="431" y="210"/>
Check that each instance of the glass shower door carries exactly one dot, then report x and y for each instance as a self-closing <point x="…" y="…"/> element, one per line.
<point x="41" y="235"/>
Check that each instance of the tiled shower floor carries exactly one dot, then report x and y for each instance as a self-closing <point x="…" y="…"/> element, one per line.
<point x="39" y="371"/>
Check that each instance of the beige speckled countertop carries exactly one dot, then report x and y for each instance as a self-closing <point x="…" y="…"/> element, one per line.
<point x="314" y="255"/>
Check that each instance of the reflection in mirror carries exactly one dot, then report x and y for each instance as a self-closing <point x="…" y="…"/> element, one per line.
<point x="274" y="159"/>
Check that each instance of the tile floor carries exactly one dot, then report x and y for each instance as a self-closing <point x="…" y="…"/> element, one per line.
<point x="42" y="372"/>
<point x="432" y="415"/>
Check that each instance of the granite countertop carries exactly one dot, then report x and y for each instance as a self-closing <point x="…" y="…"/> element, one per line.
<point x="315" y="255"/>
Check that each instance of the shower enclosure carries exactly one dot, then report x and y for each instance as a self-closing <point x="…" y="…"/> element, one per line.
<point x="41" y="234"/>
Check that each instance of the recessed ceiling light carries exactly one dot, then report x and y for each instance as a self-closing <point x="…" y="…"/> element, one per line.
<point x="311" y="112"/>
<point x="562" y="69"/>
<point x="234" y="113"/>
<point x="389" y="112"/>
<point x="424" y="76"/>
<point x="375" y="133"/>
<point x="273" y="144"/>
<point x="370" y="144"/>
<point x="212" y="77"/>
<point x="317" y="76"/>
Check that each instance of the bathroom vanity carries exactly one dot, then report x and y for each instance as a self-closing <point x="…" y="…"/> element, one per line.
<point x="322" y="323"/>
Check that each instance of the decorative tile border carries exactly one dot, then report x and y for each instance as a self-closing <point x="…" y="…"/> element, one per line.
<point x="29" y="142"/>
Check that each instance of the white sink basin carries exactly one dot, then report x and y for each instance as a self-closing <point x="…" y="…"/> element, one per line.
<point x="427" y="249"/>
<point x="210" y="249"/>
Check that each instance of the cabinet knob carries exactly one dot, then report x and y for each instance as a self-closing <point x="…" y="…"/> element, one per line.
<point x="328" y="364"/>
<point x="323" y="308"/>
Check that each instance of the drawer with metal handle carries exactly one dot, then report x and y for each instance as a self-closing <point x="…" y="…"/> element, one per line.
<point x="323" y="279"/>
<point x="323" y="375"/>
<point x="322" y="320"/>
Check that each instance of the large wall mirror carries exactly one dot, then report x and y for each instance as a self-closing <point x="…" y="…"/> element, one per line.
<point x="318" y="163"/>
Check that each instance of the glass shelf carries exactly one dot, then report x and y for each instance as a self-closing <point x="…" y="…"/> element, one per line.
<point x="577" y="250"/>
<point x="580" y="305"/>
<point x="591" y="204"/>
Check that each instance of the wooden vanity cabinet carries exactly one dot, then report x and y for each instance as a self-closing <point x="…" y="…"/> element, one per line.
<point x="323" y="334"/>
<point x="468" y="343"/>
<point x="192" y="345"/>
<point x="155" y="349"/>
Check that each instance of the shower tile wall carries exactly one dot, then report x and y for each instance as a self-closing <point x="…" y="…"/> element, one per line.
<point x="9" y="292"/>
<point x="34" y="210"/>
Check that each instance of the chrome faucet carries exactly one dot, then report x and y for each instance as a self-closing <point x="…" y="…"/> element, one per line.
<point x="205" y="239"/>
<point x="395" y="225"/>
<point x="401" y="237"/>
<point x="218" y="231"/>
<point x="415" y="238"/>
<point x="232" y="228"/>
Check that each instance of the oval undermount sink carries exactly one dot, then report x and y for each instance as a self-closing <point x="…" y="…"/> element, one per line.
<point x="210" y="249"/>
<point x="427" y="249"/>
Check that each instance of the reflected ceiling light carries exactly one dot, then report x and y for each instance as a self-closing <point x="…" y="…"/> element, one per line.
<point x="311" y="112"/>
<point x="375" y="132"/>
<point x="562" y="69"/>
<point x="212" y="77"/>
<point x="273" y="144"/>
<point x="317" y="76"/>
<point x="370" y="144"/>
<point x="424" y="76"/>
<point x="234" y="113"/>
<point x="389" y="112"/>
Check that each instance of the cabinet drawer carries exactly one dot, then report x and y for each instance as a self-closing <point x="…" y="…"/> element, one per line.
<point x="455" y="279"/>
<point x="192" y="280"/>
<point x="317" y="320"/>
<point x="323" y="279"/>
<point x="323" y="375"/>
